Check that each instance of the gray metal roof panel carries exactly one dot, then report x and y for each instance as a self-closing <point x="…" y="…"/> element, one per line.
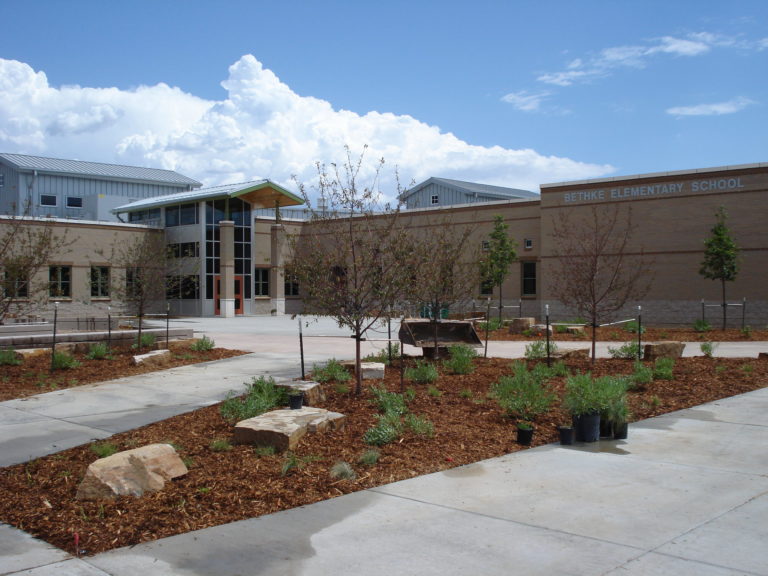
<point x="501" y="192"/>
<point x="112" y="171"/>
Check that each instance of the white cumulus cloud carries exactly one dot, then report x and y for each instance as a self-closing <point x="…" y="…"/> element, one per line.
<point x="262" y="129"/>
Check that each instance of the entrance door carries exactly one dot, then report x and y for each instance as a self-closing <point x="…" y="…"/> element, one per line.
<point x="238" y="295"/>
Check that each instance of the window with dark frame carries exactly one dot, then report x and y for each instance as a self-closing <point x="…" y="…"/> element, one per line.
<point x="291" y="286"/>
<point x="528" y="277"/>
<point x="74" y="202"/>
<point x="100" y="281"/>
<point x="48" y="200"/>
<point x="60" y="281"/>
<point x="261" y="281"/>
<point x="435" y="199"/>
<point x="15" y="285"/>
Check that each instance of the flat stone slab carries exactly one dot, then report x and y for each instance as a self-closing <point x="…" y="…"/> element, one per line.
<point x="565" y="353"/>
<point x="283" y="429"/>
<point x="131" y="472"/>
<point x="150" y="356"/>
<point x="370" y="370"/>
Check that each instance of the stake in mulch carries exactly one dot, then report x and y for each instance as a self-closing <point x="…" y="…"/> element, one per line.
<point x="53" y="343"/>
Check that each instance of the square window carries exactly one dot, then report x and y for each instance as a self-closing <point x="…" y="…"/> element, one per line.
<point x="435" y="199"/>
<point x="47" y="200"/>
<point x="74" y="202"/>
<point x="60" y="281"/>
<point x="528" y="243"/>
<point x="15" y="285"/>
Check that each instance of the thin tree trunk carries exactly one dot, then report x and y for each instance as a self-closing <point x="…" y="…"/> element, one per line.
<point x="725" y="306"/>
<point x="358" y="370"/>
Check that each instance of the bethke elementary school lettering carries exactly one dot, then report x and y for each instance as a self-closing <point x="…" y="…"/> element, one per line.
<point x="626" y="192"/>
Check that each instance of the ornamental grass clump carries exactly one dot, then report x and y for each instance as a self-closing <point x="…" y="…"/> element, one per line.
<point x="261" y="396"/>
<point x="98" y="351"/>
<point x="585" y="394"/>
<point x="204" y="344"/>
<point x="538" y="349"/>
<point x="461" y="359"/>
<point x="9" y="358"/>
<point x="423" y="372"/>
<point x="663" y="369"/>
<point x="628" y="350"/>
<point x="63" y="361"/>
<point x="333" y="371"/>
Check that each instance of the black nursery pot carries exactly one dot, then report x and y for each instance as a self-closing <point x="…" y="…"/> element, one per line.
<point x="525" y="436"/>
<point x="296" y="401"/>
<point x="566" y="435"/>
<point x="587" y="427"/>
<point x="620" y="432"/>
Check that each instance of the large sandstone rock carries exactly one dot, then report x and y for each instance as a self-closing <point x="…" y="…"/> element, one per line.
<point x="564" y="354"/>
<point x="131" y="472"/>
<point x="656" y="350"/>
<point x="313" y="391"/>
<point x="155" y="357"/>
<point x="520" y="325"/>
<point x="284" y="428"/>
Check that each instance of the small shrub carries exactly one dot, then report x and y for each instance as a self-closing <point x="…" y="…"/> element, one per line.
<point x="383" y="354"/>
<point x="702" y="326"/>
<point x="461" y="360"/>
<point x="538" y="349"/>
<point x="342" y="471"/>
<point x="388" y="402"/>
<point x="746" y="332"/>
<point x="262" y="451"/>
<point x="204" y="344"/>
<point x="386" y="430"/>
<point x="64" y="361"/>
<point x="627" y="350"/>
<point x="466" y="393"/>
<point x="148" y="340"/>
<point x="260" y="396"/>
<point x="9" y="358"/>
<point x="103" y="449"/>
<point x="98" y="351"/>
<point x="585" y="394"/>
<point x="747" y="368"/>
<point x="292" y="462"/>
<point x="220" y="445"/>
<point x="423" y="372"/>
<point x="662" y="369"/>
<point x="642" y="374"/>
<point x="342" y="388"/>
<point x="420" y="425"/>
<point x="522" y="395"/>
<point x="434" y="392"/>
<point x="491" y="325"/>
<point x="632" y="327"/>
<point x="708" y="349"/>
<point x="370" y="457"/>
<point x="333" y="371"/>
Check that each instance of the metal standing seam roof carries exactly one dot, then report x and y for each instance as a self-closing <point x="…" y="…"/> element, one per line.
<point x="27" y="163"/>
<point x="225" y="190"/>
<point x="500" y="192"/>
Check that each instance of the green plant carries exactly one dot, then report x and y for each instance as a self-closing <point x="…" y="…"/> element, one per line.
<point x="369" y="457"/>
<point x="708" y="348"/>
<point x="262" y="451"/>
<point x="342" y="388"/>
<point x="9" y="358"/>
<point x="524" y="425"/>
<point x="148" y="340"/>
<point x="292" y="462"/>
<point x="632" y="327"/>
<point x="491" y="325"/>
<point x="98" y="351"/>
<point x="388" y="402"/>
<point x="220" y="445"/>
<point x="538" y="349"/>
<point x="747" y="368"/>
<point x="423" y="372"/>
<point x="461" y="360"/>
<point x="64" y="361"/>
<point x="615" y="393"/>
<point x="333" y="371"/>
<point x="746" y="332"/>
<point x="641" y="374"/>
<point x="627" y="350"/>
<point x="584" y="394"/>
<point x="342" y="471"/>
<point x="466" y="393"/>
<point x="203" y="489"/>
<point x="103" y="449"/>
<point x="383" y="354"/>
<point x="386" y="430"/>
<point x="419" y="425"/>
<point x="662" y="369"/>
<point x="701" y="325"/>
<point x="522" y="395"/>
<point x="204" y="344"/>
<point x="261" y="395"/>
<point x="434" y="391"/>
<point x="720" y="368"/>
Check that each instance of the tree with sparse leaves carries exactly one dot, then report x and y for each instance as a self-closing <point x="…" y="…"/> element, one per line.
<point x="498" y="258"/>
<point x="595" y="274"/>
<point x="27" y="245"/>
<point x="348" y="259"/>
<point x="721" y="257"/>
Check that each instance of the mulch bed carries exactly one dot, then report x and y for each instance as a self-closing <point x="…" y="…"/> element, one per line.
<point x="229" y="485"/>
<point x="618" y="333"/>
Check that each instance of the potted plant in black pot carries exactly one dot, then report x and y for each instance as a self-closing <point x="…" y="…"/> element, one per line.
<point x="614" y="414"/>
<point x="566" y="434"/>
<point x="295" y="399"/>
<point x="585" y="398"/>
<point x="524" y="433"/>
<point x="619" y="414"/>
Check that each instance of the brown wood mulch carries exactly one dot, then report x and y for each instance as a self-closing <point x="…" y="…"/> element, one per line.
<point x="229" y="485"/>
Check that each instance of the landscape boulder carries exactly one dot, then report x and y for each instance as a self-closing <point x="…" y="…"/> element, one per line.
<point x="131" y="473"/>
<point x="564" y="354"/>
<point x="283" y="429"/>
<point x="520" y="325"/>
<point x="155" y="357"/>
<point x="665" y="349"/>
<point x="370" y="370"/>
<point x="313" y="391"/>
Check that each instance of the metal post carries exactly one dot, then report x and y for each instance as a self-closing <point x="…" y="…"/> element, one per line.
<point x="53" y="343"/>
<point x="167" y="325"/>
<point x="743" y="313"/>
<point x="487" y="326"/>
<point x="301" y="348"/>
<point x="639" y="333"/>
<point x="389" y="336"/>
<point x="109" y="327"/>
<point x="546" y="312"/>
<point x="519" y="307"/>
<point x="703" y="318"/>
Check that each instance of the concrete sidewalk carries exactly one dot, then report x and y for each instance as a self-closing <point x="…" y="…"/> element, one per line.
<point x="687" y="493"/>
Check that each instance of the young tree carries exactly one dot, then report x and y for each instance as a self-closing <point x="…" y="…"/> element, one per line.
<point x="348" y="259"/>
<point x="442" y="271"/>
<point x="499" y="257"/>
<point x="149" y="273"/>
<point x="27" y="245"/>
<point x="596" y="275"/>
<point x="721" y="257"/>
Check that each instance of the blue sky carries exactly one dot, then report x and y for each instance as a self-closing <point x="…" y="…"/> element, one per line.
<point x="513" y="93"/>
